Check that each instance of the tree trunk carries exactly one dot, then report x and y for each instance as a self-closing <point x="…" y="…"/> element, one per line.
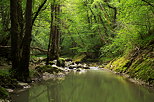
<point x="20" y="41"/>
<point x="24" y="65"/>
<point x="50" y="37"/>
<point x="53" y="47"/>
<point x="14" y="37"/>
<point x="55" y="35"/>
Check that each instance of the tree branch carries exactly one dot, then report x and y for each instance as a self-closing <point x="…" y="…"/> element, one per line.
<point x="39" y="49"/>
<point x="39" y="9"/>
<point x="148" y="3"/>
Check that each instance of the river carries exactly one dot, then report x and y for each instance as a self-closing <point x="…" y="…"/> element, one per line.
<point x="91" y="86"/>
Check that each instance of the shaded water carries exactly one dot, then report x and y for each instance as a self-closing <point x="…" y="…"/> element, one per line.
<point x="92" y="86"/>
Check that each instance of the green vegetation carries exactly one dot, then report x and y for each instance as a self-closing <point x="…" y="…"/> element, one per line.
<point x="138" y="64"/>
<point x="118" y="32"/>
<point x="3" y="93"/>
<point x="6" y="82"/>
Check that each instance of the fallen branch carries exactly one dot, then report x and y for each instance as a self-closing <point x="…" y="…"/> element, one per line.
<point x="39" y="49"/>
<point x="5" y="46"/>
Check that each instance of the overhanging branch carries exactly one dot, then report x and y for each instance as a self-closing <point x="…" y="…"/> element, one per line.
<point x="39" y="9"/>
<point x="148" y="3"/>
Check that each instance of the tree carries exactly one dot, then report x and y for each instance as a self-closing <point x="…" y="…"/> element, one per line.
<point x="21" y="38"/>
<point x="24" y="64"/>
<point x="20" y="41"/>
<point x="14" y="37"/>
<point x="53" y="47"/>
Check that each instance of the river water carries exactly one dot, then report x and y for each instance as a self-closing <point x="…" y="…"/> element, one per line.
<point x="92" y="86"/>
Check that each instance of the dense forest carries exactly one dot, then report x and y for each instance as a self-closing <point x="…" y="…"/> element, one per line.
<point x="119" y="34"/>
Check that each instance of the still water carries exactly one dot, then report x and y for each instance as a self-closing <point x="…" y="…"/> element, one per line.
<point x="92" y="86"/>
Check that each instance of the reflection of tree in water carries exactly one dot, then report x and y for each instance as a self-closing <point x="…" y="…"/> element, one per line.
<point x="46" y="92"/>
<point x="35" y="95"/>
<point x="20" y="97"/>
<point x="88" y="87"/>
<point x="53" y="91"/>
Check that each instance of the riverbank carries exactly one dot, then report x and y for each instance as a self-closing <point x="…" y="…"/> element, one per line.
<point x="137" y="65"/>
<point x="130" y="79"/>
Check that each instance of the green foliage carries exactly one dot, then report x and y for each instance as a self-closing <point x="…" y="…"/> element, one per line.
<point x="41" y="30"/>
<point x="134" y="24"/>
<point x="91" y="26"/>
<point x="4" y="21"/>
<point x="6" y="79"/>
<point x="81" y="31"/>
<point x="3" y="93"/>
<point x="4" y="72"/>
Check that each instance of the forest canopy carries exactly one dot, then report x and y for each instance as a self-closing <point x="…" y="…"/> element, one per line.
<point x="96" y="29"/>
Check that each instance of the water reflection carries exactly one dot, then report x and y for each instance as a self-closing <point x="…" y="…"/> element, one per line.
<point x="93" y="86"/>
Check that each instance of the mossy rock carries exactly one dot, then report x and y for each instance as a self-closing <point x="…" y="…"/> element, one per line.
<point x="48" y="68"/>
<point x="61" y="62"/>
<point x="51" y="63"/>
